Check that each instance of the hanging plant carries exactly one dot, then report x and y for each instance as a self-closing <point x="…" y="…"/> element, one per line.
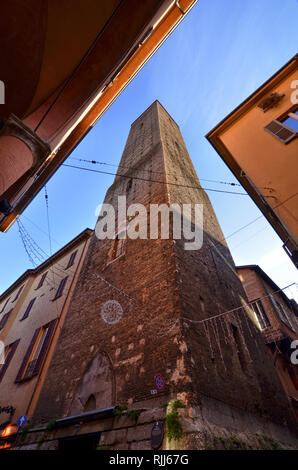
<point x="173" y="425"/>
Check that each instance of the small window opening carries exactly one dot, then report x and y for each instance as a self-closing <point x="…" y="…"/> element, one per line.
<point x="239" y="346"/>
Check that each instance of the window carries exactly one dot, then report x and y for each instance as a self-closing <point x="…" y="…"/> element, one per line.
<point x="60" y="288"/>
<point x="282" y="313"/>
<point x="27" y="311"/>
<point x="118" y="248"/>
<point x="36" y="351"/>
<point x="4" y="319"/>
<point x="239" y="347"/>
<point x="18" y="293"/>
<point x="8" y="355"/>
<point x="3" y="308"/>
<point x="71" y="259"/>
<point x="129" y="185"/>
<point x="285" y="128"/>
<point x="42" y="279"/>
<point x="291" y="121"/>
<point x="261" y="314"/>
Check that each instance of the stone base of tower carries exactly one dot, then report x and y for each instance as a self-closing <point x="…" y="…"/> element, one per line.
<point x="212" y="425"/>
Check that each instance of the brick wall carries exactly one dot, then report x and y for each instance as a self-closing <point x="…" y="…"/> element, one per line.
<point x="167" y="283"/>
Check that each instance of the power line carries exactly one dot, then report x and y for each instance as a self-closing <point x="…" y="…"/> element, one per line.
<point x="237" y="308"/>
<point x="252" y="236"/>
<point x="48" y="218"/>
<point x="33" y="250"/>
<point x="257" y="218"/>
<point x="154" y="181"/>
<point x="40" y="229"/>
<point x="95" y="162"/>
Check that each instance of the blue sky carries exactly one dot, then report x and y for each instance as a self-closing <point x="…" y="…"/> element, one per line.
<point x="221" y="52"/>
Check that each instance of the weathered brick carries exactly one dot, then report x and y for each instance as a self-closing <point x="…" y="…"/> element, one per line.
<point x="167" y="284"/>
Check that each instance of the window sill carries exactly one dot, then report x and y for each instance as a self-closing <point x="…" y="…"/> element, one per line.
<point x="25" y="379"/>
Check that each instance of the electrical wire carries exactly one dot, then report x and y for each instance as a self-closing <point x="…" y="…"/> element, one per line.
<point x="238" y="308"/>
<point x="154" y="181"/>
<point x="95" y="162"/>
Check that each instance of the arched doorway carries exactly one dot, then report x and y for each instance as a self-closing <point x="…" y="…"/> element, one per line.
<point x="96" y="388"/>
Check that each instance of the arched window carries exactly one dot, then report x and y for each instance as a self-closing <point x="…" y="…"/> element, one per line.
<point x="90" y="404"/>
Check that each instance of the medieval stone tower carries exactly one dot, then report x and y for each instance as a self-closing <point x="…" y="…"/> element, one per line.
<point x="147" y="307"/>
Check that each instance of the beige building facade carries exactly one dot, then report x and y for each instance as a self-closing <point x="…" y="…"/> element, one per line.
<point x="32" y="312"/>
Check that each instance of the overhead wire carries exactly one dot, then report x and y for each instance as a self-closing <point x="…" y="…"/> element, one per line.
<point x="95" y="162"/>
<point x="240" y="307"/>
<point x="154" y="181"/>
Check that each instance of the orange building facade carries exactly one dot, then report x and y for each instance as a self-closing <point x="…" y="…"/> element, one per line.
<point x="258" y="141"/>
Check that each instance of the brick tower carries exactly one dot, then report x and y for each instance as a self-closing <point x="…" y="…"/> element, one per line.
<point x="141" y="306"/>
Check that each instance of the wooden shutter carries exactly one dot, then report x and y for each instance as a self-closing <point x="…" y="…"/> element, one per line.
<point x="4" y="319"/>
<point x="45" y="346"/>
<point x="71" y="259"/>
<point x="60" y="288"/>
<point x="42" y="280"/>
<point x="281" y="312"/>
<point x="27" y="355"/>
<point x="287" y="317"/>
<point x="27" y="311"/>
<point x="8" y="358"/>
<point x="18" y="293"/>
<point x="3" y="308"/>
<point x="280" y="131"/>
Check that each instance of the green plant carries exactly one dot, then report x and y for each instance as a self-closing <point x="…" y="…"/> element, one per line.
<point x="165" y="405"/>
<point x="40" y="442"/>
<point x="134" y="413"/>
<point x="173" y="425"/>
<point x="102" y="447"/>
<point x="277" y="446"/>
<point x="51" y="424"/>
<point x="119" y="410"/>
<point x="234" y="443"/>
<point x="209" y="447"/>
<point x="26" y="429"/>
<point x="269" y="443"/>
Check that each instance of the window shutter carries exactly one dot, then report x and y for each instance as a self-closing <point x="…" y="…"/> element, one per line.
<point x="4" y="319"/>
<point x="27" y="355"/>
<point x="8" y="359"/>
<point x="42" y="280"/>
<point x="287" y="317"/>
<point x="45" y="345"/>
<point x="71" y="259"/>
<point x="280" y="131"/>
<point x="60" y="288"/>
<point x="27" y="311"/>
<point x="3" y="308"/>
<point x="276" y="306"/>
<point x="282" y="313"/>
<point x="18" y="293"/>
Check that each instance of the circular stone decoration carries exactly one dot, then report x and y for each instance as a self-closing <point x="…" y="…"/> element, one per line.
<point x="111" y="312"/>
